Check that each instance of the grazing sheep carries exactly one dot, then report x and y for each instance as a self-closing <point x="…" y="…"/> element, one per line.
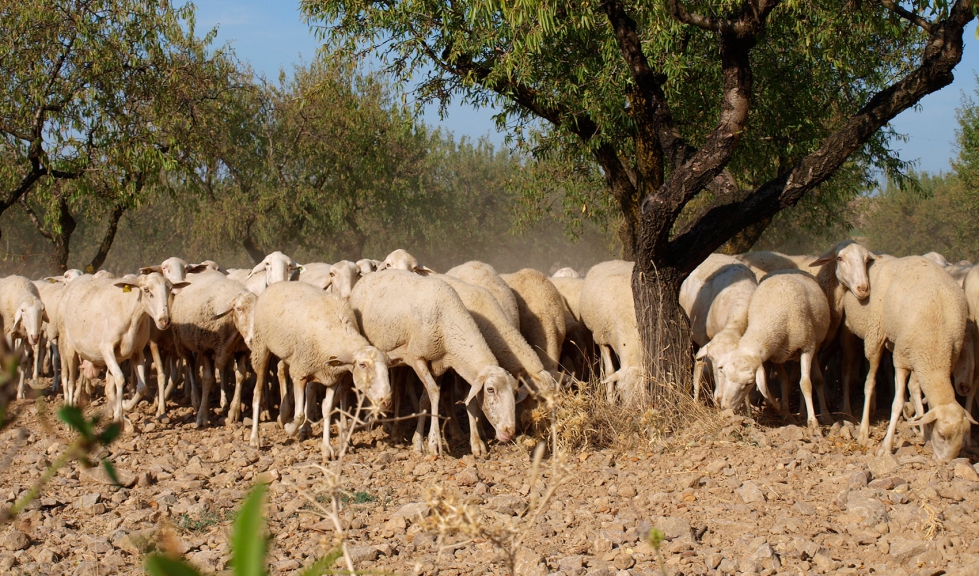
<point x="920" y="313"/>
<point x="402" y="260"/>
<point x="761" y="263"/>
<point x="715" y="298"/>
<point x="23" y="314"/>
<point x="421" y="322"/>
<point x="316" y="273"/>
<point x="541" y="311"/>
<point x="200" y="328"/>
<point x="343" y="275"/>
<point x="105" y="322"/>
<point x="578" y="343"/>
<point x="609" y="311"/>
<point x="788" y="319"/>
<point x="512" y="351"/>
<point x="315" y="334"/>
<point x="483" y="275"/>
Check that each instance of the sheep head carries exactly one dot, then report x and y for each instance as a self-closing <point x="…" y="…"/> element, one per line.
<point x="402" y="260"/>
<point x="851" y="261"/>
<point x="946" y="425"/>
<point x="242" y="310"/>
<point x="153" y="292"/>
<point x="740" y="372"/>
<point x="370" y="372"/>
<point x="343" y="275"/>
<point x="497" y="391"/>
<point x="277" y="268"/>
<point x="29" y="317"/>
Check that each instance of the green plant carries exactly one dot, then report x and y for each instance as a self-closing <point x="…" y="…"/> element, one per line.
<point x="358" y="498"/>
<point x="202" y="522"/>
<point x="656" y="537"/>
<point x="249" y="544"/>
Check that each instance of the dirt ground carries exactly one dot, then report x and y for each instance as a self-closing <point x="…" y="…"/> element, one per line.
<point x="749" y="498"/>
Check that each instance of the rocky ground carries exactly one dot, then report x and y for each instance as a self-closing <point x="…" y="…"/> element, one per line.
<point x="747" y="499"/>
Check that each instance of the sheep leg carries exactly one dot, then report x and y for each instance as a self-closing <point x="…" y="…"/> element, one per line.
<point x="189" y="369"/>
<point x="848" y="346"/>
<point x="115" y="379"/>
<point x="761" y="382"/>
<point x="783" y="378"/>
<point x="54" y="357"/>
<point x="161" y="380"/>
<point x="698" y="373"/>
<point x="476" y="443"/>
<point x="328" y="404"/>
<point x="805" y="382"/>
<point x="820" y="385"/>
<point x="37" y="359"/>
<point x="608" y="368"/>
<point x="234" y="409"/>
<point x="207" y="380"/>
<point x="299" y="404"/>
<point x="900" y="384"/>
<point x="868" y="391"/>
<point x="432" y="390"/>
<point x="138" y="364"/>
<point x="284" y="399"/>
<point x="220" y="375"/>
<point x="260" y="362"/>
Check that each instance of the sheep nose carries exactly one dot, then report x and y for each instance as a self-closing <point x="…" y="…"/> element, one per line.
<point x="32" y="340"/>
<point x="163" y="323"/>
<point x="862" y="291"/>
<point x="505" y="434"/>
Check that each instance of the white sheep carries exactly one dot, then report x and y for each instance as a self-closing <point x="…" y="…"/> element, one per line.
<point x="541" y="310"/>
<point x="200" y="328"/>
<point x="367" y="266"/>
<point x="609" y="311"/>
<point x="483" y="275"/>
<point x="315" y="334"/>
<point x="316" y="273"/>
<point x="71" y="274"/>
<point x="176" y="269"/>
<point x="342" y="277"/>
<point x="105" y="322"/>
<point x="566" y="273"/>
<point x="421" y="322"/>
<point x="936" y="258"/>
<point x="788" y="319"/>
<point x="761" y="263"/>
<point x="50" y="291"/>
<point x="715" y="298"/>
<point x="920" y="313"/>
<point x="23" y="314"/>
<point x="958" y="271"/>
<point x="401" y="260"/>
<point x="275" y="267"/>
<point x="578" y="341"/>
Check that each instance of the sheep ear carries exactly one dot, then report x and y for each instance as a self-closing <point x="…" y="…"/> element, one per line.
<point x="196" y="268"/>
<point x="44" y="316"/>
<point x="477" y="387"/>
<point x="334" y="361"/>
<point x="126" y="285"/>
<point x="702" y="353"/>
<point x="929" y="417"/>
<point x="55" y="279"/>
<point x="17" y="318"/>
<point x="222" y="313"/>
<point x="423" y="270"/>
<point x="824" y="259"/>
<point x="971" y="419"/>
<point x="522" y="393"/>
<point x="150" y="269"/>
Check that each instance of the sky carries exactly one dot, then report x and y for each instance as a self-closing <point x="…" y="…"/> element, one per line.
<point x="271" y="35"/>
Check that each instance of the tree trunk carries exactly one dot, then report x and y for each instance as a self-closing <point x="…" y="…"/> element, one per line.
<point x="255" y="251"/>
<point x="108" y="237"/>
<point x="746" y="238"/>
<point x="663" y="328"/>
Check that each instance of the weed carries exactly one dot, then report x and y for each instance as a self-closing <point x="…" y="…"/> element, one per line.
<point x="202" y="522"/>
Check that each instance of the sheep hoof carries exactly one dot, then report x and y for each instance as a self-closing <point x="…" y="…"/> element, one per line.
<point x="815" y="430"/>
<point x="479" y="449"/>
<point x="291" y="428"/>
<point x="254" y="442"/>
<point x="417" y="445"/>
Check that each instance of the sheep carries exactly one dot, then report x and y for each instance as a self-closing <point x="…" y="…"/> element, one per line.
<point x="715" y="298"/>
<point x="609" y="311"/>
<point x="105" y="322"/>
<point x="482" y="274"/>
<point x="566" y="273"/>
<point x="23" y="314"/>
<point x="541" y="310"/>
<point x="577" y="339"/>
<point x="275" y="267"/>
<point x="367" y="266"/>
<point x="176" y="269"/>
<point x="918" y="312"/>
<point x="958" y="271"/>
<point x="316" y="274"/>
<point x="401" y="260"/>
<point x="321" y="348"/>
<point x="936" y="258"/>
<point x="788" y="318"/>
<point x="761" y="263"/>
<point x="343" y="275"/>
<point x="511" y="349"/>
<point x="199" y="327"/>
<point x="422" y="323"/>
<point x="50" y="291"/>
<point x="71" y="274"/>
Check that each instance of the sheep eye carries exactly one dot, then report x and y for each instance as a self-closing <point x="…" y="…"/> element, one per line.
<point x="839" y="258"/>
<point x="490" y="390"/>
<point x="363" y="366"/>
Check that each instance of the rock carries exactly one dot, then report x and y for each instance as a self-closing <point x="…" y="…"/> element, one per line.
<point x="823" y="561"/>
<point x="423" y="469"/>
<point x="45" y="556"/>
<point x="509" y="504"/>
<point x="716" y="466"/>
<point x="727" y="566"/>
<point x="965" y="471"/>
<point x="16" y="540"/>
<point x="207" y="559"/>
<point x="529" y="563"/>
<point x="858" y="479"/>
<point x="886" y="483"/>
<point x="412" y="511"/>
<point x="627" y="491"/>
<point x="361" y="554"/>
<point x="624" y="561"/>
<point x="673" y="527"/>
<point x="870" y="510"/>
<point x="750" y="493"/>
<point x="902" y="549"/>
<point x="136" y="543"/>
<point x="397" y="525"/>
<point x="602" y="544"/>
<point x="468" y="476"/>
<point x="713" y="560"/>
<point x="88" y="502"/>
<point x="570" y="564"/>
<point x="882" y="466"/>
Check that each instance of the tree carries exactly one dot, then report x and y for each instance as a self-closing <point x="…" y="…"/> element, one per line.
<point x="98" y="98"/>
<point x="705" y="118"/>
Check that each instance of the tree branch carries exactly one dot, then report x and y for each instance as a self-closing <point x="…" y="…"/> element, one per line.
<point x="37" y="221"/>
<point x="726" y="217"/>
<point x="908" y="15"/>
<point x="110" y="234"/>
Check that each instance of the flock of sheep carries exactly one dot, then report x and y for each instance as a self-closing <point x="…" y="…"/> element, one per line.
<point x="389" y="330"/>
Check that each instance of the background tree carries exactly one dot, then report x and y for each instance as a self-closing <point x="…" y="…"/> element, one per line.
<point x="745" y="106"/>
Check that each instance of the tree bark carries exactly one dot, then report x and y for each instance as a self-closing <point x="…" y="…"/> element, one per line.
<point x="746" y="238"/>
<point x="663" y="328"/>
<point x="255" y="251"/>
<point x="108" y="237"/>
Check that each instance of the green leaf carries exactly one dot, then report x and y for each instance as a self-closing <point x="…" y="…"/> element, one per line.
<point x="159" y="565"/>
<point x="72" y="416"/>
<point x="248" y="540"/>
<point x="323" y="565"/>
<point x="110" y="433"/>
<point x="111" y="471"/>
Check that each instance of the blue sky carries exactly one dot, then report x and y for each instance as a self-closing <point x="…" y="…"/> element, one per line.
<point x="270" y="35"/>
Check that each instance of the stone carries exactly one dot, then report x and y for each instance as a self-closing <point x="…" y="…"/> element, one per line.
<point x="624" y="561"/>
<point x="903" y="549"/>
<point x="45" y="556"/>
<point x="673" y="527"/>
<point x="823" y="561"/>
<point x="88" y="502"/>
<point x="397" y="525"/>
<point x="882" y="466"/>
<point x="412" y="511"/>
<point x="627" y="491"/>
<point x="361" y="554"/>
<point x="716" y="466"/>
<point x="422" y="469"/>
<point x="859" y="479"/>
<point x="529" y="563"/>
<point x="570" y="564"/>
<point x="508" y="504"/>
<point x="750" y="493"/>
<point x="965" y="471"/>
<point x="602" y="544"/>
<point x="864" y="504"/>
<point x="727" y="566"/>
<point x="468" y="476"/>
<point x="16" y="540"/>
